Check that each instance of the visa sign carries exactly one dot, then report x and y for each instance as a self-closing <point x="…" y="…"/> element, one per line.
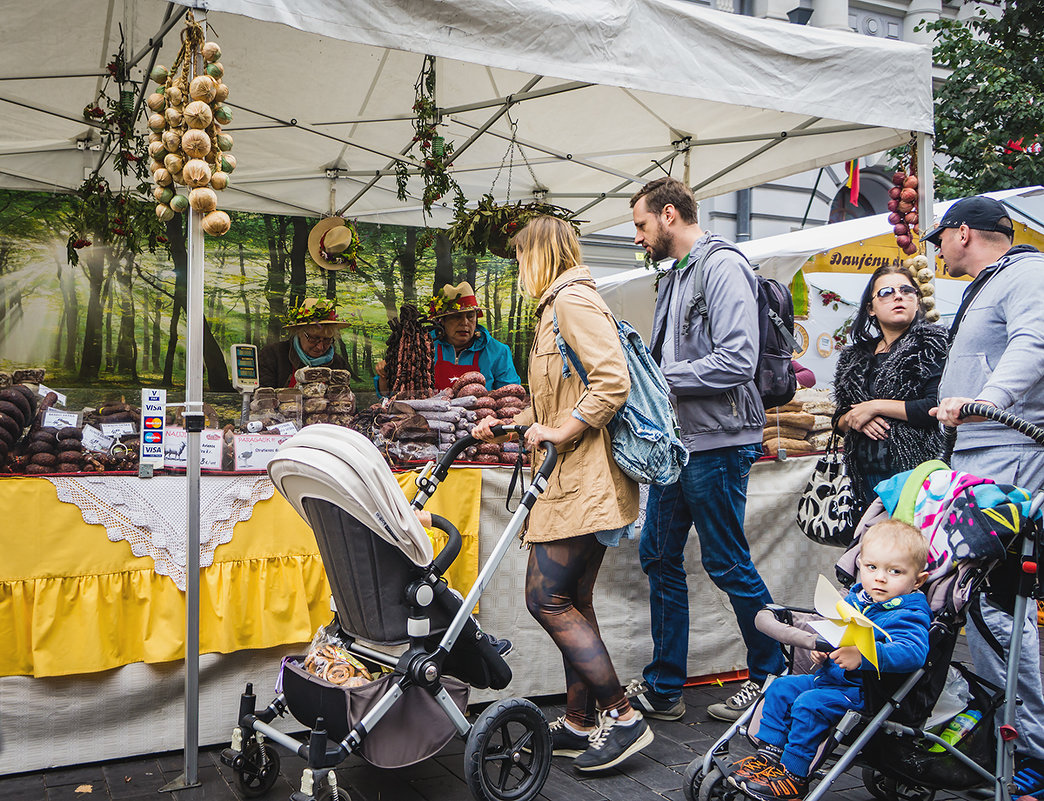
<point x="153" y="413"/>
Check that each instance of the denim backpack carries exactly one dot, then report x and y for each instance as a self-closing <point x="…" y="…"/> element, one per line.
<point x="644" y="432"/>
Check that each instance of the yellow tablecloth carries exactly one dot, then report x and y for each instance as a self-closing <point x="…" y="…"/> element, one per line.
<point x="72" y="602"/>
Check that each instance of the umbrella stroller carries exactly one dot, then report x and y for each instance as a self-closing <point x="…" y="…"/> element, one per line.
<point x="902" y="755"/>
<point x="396" y="619"/>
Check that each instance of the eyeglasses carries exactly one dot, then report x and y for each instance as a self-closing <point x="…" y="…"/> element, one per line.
<point x="314" y="340"/>
<point x="888" y="291"/>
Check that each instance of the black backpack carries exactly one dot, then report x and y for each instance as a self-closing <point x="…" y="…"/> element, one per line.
<point x="774" y="375"/>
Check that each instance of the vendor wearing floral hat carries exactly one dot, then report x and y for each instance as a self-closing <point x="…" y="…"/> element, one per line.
<point x="314" y="327"/>
<point x="462" y="345"/>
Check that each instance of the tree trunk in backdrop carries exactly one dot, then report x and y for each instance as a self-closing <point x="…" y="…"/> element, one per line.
<point x="471" y="270"/>
<point x="275" y="286"/>
<point x="298" y="257"/>
<point x="126" y="344"/>
<point x="443" y="261"/>
<point x="408" y="267"/>
<point x="179" y="255"/>
<point x="72" y="315"/>
<point x="214" y="364"/>
<point x="156" y="328"/>
<point x="93" y="262"/>
<point x="110" y="353"/>
<point x="248" y="334"/>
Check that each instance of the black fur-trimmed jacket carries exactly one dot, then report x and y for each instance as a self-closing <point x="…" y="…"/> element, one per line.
<point x="909" y="373"/>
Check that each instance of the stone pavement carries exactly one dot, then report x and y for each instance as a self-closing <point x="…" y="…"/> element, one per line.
<point x="652" y="775"/>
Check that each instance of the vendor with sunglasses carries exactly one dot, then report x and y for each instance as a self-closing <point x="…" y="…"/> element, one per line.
<point x="886" y="382"/>
<point x="314" y="327"/>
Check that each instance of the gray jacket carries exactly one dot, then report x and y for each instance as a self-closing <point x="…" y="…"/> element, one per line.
<point x="712" y="387"/>
<point x="998" y="353"/>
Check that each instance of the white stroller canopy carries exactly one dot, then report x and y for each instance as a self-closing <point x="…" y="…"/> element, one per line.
<point x="341" y="466"/>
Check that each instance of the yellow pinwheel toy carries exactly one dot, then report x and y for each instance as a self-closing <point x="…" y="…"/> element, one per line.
<point x="844" y="624"/>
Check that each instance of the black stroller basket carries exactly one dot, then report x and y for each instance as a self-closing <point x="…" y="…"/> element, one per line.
<point x="395" y="614"/>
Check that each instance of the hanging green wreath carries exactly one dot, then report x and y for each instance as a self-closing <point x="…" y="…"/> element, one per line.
<point x="490" y="226"/>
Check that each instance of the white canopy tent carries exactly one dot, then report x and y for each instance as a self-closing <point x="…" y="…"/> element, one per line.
<point x="605" y="95"/>
<point x="600" y="96"/>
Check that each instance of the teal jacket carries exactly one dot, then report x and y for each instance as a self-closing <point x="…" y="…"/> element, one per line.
<point x="494" y="358"/>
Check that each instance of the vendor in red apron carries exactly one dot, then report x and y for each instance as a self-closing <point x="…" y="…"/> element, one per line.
<point x="462" y="345"/>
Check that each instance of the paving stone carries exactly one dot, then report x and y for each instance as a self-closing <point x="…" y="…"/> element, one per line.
<point x="22" y="788"/>
<point x="127" y="779"/>
<point x="621" y="786"/>
<point x="81" y="774"/>
<point x="562" y="784"/>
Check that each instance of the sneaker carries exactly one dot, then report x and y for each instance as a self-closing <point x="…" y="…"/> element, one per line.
<point x="566" y="742"/>
<point x="732" y="708"/>
<point x="501" y="646"/>
<point x="1029" y="776"/>
<point x="772" y="782"/>
<point x="613" y="742"/>
<point x="750" y="766"/>
<point x="651" y="705"/>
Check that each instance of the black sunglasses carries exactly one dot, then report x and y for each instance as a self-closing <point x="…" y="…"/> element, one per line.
<point x="888" y="291"/>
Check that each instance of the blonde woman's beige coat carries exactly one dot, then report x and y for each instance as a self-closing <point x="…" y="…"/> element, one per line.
<point x="587" y="492"/>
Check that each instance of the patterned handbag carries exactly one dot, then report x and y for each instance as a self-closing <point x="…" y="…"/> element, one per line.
<point x="828" y="512"/>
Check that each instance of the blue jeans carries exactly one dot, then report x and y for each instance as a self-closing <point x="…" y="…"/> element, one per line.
<point x="712" y="495"/>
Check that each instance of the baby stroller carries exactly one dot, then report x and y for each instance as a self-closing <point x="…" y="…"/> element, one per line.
<point x="894" y="738"/>
<point x="395" y="615"/>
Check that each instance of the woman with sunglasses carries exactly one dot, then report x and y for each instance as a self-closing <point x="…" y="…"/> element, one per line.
<point x="886" y="382"/>
<point x="314" y="327"/>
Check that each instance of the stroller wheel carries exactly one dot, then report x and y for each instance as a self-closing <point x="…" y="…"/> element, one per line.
<point x="692" y="779"/>
<point x="328" y="793"/>
<point x="711" y="787"/>
<point x="508" y="752"/>
<point x="259" y="769"/>
<point x="885" y="788"/>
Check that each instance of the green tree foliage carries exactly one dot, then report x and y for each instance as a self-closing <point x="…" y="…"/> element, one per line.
<point x="989" y="114"/>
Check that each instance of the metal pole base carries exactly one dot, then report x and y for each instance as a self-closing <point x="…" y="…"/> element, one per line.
<point x="178" y="784"/>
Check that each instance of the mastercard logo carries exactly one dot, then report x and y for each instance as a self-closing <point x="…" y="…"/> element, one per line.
<point x="153" y="422"/>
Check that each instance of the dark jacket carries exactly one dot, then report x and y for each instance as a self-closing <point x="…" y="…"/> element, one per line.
<point x="910" y="372"/>
<point x="712" y="387"/>
<point x="277" y="362"/>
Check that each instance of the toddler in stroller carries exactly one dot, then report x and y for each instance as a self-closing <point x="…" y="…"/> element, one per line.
<point x="402" y="652"/>
<point x="799" y="710"/>
<point x="976" y="530"/>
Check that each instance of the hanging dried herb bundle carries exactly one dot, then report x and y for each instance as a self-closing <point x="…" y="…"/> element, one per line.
<point x="411" y="355"/>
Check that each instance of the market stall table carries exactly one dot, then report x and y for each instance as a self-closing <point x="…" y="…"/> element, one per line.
<point x="99" y="626"/>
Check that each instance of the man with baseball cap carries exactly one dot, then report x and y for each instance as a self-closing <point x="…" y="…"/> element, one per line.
<point x="997" y="357"/>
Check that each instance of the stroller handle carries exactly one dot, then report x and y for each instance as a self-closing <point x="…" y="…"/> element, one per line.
<point x="457" y="448"/>
<point x="990" y="412"/>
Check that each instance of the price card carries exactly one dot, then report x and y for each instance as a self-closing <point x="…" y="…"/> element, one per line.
<point x="42" y="391"/>
<point x="56" y="418"/>
<point x="253" y="451"/>
<point x="95" y="440"/>
<point x="289" y="428"/>
<point x="175" y="448"/>
<point x="118" y="430"/>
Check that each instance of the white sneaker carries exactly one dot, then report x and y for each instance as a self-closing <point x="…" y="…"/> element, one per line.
<point x="732" y="708"/>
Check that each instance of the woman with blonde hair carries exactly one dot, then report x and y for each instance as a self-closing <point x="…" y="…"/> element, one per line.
<point x="589" y="503"/>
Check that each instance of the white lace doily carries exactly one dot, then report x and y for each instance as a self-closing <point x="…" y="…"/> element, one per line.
<point x="151" y="515"/>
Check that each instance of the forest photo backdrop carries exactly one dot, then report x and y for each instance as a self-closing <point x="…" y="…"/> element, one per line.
<point x="115" y="320"/>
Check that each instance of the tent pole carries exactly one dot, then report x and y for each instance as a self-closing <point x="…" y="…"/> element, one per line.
<point x="194" y="420"/>
<point x="926" y="189"/>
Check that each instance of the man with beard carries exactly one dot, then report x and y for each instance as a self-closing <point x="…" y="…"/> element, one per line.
<point x="709" y="363"/>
